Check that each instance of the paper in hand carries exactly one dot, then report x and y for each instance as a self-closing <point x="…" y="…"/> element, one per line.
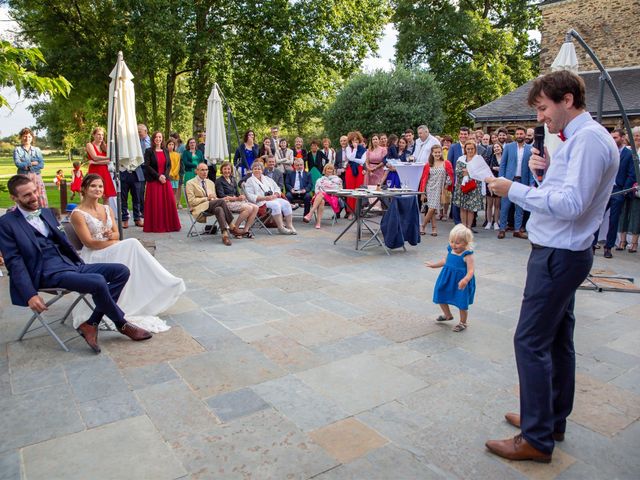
<point x="478" y="169"/>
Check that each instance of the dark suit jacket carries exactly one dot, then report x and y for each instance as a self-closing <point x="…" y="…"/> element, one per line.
<point x="277" y="176"/>
<point x="291" y="181"/>
<point x="151" y="173"/>
<point x="22" y="253"/>
<point x="321" y="160"/>
<point x="340" y="162"/>
<point x="626" y="176"/>
<point x="455" y="152"/>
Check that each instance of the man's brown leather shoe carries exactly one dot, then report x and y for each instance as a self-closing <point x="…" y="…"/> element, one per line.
<point x="517" y="448"/>
<point x="90" y="335"/>
<point x="514" y="419"/>
<point x="226" y="240"/>
<point x="134" y="333"/>
<point x="125" y="224"/>
<point x="139" y="223"/>
<point x="501" y="234"/>
<point x="521" y="234"/>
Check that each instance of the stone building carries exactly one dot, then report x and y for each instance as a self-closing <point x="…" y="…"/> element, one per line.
<point x="608" y="28"/>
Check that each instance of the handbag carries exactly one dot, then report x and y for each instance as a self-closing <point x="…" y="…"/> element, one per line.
<point x="469" y="187"/>
<point x="445" y="196"/>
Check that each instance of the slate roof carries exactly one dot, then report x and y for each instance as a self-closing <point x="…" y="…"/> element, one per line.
<point x="513" y="106"/>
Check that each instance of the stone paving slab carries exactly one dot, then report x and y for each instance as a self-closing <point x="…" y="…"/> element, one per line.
<point x="360" y="382"/>
<point x="38" y="415"/>
<point x="262" y="445"/>
<point x="130" y="448"/>
<point x="317" y="336"/>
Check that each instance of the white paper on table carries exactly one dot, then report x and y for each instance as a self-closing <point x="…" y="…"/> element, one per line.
<point x="478" y="169"/>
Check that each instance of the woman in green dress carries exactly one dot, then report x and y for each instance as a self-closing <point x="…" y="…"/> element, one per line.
<point x="190" y="159"/>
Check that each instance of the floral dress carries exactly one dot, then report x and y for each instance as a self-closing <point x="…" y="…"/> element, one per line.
<point x="438" y="180"/>
<point x="469" y="201"/>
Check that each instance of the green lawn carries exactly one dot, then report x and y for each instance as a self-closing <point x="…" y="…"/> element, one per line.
<point x="52" y="163"/>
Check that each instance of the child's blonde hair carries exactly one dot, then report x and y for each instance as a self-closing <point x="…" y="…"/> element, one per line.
<point x="461" y="232"/>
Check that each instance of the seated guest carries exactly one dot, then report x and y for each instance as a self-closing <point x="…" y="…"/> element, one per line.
<point x="201" y="197"/>
<point x="329" y="181"/>
<point x="227" y="188"/>
<point x="284" y="157"/>
<point x="316" y="160"/>
<point x="38" y="255"/>
<point x="150" y="290"/>
<point x="261" y="190"/>
<point x="298" y="185"/>
<point x="272" y="172"/>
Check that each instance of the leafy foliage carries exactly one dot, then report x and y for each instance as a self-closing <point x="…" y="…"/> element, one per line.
<point x="386" y="102"/>
<point x="16" y="70"/>
<point x="478" y="50"/>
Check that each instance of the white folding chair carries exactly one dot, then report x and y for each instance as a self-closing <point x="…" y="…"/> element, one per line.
<point x="261" y="220"/>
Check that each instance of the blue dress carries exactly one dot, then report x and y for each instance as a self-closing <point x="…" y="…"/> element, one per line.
<point x="446" y="289"/>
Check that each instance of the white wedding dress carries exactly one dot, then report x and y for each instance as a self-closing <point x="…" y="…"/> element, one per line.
<point x="151" y="289"/>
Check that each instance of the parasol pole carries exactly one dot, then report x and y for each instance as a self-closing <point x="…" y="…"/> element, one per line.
<point x="114" y="143"/>
<point x="231" y="121"/>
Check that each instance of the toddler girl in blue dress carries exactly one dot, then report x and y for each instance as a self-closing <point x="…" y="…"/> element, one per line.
<point x="456" y="284"/>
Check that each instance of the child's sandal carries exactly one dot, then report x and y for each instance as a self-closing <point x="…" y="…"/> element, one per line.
<point x="442" y="318"/>
<point x="460" y="327"/>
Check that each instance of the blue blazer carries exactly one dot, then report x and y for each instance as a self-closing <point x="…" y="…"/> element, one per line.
<point x="455" y="152"/>
<point x="291" y="181"/>
<point x="360" y="151"/>
<point x="509" y="163"/>
<point x="626" y="175"/>
<point x="22" y="253"/>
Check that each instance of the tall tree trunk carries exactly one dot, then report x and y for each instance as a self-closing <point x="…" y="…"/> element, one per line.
<point x="171" y="92"/>
<point x="200" y="85"/>
<point x="154" y="101"/>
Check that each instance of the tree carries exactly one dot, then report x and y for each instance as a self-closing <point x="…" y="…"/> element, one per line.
<point x="277" y="62"/>
<point x="17" y="71"/>
<point x="478" y="50"/>
<point x="386" y="102"/>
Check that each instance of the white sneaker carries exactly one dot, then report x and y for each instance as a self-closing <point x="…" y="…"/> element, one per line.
<point x="293" y="231"/>
<point x="488" y="227"/>
<point x="496" y="226"/>
<point x="285" y="231"/>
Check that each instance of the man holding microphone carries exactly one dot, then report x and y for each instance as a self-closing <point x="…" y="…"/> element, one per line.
<point x="565" y="211"/>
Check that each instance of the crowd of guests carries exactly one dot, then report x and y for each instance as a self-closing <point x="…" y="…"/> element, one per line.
<point x="272" y="176"/>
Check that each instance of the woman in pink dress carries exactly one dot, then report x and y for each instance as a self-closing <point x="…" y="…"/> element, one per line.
<point x="374" y="166"/>
<point x="160" y="210"/>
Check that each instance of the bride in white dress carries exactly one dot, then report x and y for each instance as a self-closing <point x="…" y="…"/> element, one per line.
<point x="151" y="289"/>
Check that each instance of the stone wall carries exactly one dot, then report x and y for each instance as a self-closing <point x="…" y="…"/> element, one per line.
<point x="610" y="28"/>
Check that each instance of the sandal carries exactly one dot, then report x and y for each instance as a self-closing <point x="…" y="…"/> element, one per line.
<point x="634" y="247"/>
<point x="622" y="246"/>
<point x="422" y="232"/>
<point x="461" y="327"/>
<point x="249" y="234"/>
<point x="442" y="318"/>
<point x="434" y="233"/>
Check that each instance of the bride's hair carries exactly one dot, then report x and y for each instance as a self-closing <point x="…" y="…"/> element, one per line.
<point x="88" y="179"/>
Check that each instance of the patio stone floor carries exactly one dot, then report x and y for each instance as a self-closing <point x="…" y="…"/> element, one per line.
<point x="290" y="357"/>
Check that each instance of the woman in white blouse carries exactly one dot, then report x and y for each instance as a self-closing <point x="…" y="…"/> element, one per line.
<point x="262" y="190"/>
<point x="284" y="157"/>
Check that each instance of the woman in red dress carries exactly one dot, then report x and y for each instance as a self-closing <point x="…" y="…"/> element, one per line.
<point x="160" y="210"/>
<point x="99" y="162"/>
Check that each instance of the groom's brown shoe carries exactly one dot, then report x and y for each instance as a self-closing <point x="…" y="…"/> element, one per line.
<point x="134" y="333"/>
<point x="514" y="419"/>
<point x="517" y="448"/>
<point x="90" y="335"/>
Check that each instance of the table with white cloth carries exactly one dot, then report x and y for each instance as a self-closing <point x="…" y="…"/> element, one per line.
<point x="364" y="218"/>
<point x="409" y="173"/>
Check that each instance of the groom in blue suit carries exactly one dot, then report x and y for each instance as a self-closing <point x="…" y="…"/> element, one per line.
<point x="38" y="255"/>
<point x="514" y="166"/>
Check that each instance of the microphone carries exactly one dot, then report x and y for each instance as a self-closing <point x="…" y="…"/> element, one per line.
<point x="538" y="143"/>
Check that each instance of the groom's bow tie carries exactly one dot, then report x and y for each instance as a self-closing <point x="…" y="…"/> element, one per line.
<point x="34" y="214"/>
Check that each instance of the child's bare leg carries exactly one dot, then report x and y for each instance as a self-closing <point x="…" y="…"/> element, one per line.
<point x="446" y="310"/>
<point x="463" y="322"/>
<point x="463" y="316"/>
